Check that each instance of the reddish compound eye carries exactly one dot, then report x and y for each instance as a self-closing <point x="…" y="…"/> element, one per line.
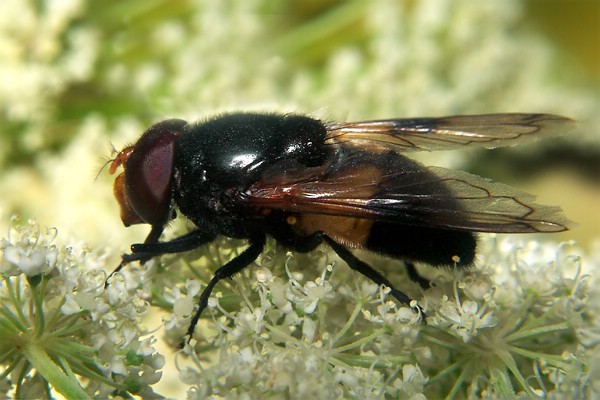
<point x="144" y="194"/>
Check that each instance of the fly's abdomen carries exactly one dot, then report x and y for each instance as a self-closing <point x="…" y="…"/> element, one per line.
<point x="436" y="247"/>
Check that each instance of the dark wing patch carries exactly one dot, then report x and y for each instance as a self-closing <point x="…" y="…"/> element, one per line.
<point x="410" y="195"/>
<point x="444" y="133"/>
<point x="484" y="206"/>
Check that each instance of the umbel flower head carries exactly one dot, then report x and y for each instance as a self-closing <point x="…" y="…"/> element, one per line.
<point x="520" y="324"/>
<point x="61" y="330"/>
<point x="517" y="326"/>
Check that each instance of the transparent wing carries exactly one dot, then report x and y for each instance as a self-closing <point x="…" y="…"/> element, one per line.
<point x="487" y="130"/>
<point x="399" y="190"/>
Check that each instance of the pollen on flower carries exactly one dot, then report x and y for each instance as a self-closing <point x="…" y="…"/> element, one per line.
<point x="263" y="274"/>
<point x="213" y="302"/>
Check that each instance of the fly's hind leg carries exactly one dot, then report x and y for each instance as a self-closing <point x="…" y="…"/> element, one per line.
<point x="365" y="269"/>
<point x="414" y="275"/>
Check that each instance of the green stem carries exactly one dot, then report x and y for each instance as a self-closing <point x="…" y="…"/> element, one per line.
<point x="537" y="331"/>
<point x="67" y="385"/>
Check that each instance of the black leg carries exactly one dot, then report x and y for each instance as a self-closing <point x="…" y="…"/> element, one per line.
<point x="187" y="242"/>
<point x="227" y="271"/>
<point x="154" y="234"/>
<point x="414" y="275"/>
<point x="151" y="248"/>
<point x="362" y="267"/>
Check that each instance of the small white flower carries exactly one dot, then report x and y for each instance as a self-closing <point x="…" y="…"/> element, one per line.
<point x="309" y="328"/>
<point x="184" y="307"/>
<point x="30" y="257"/>
<point x="466" y="317"/>
<point x="193" y="287"/>
<point x="263" y="274"/>
<point x="70" y="306"/>
<point x="413" y="380"/>
<point x="117" y="366"/>
<point x="477" y="287"/>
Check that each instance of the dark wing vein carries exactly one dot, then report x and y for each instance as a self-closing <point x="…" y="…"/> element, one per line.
<point x="446" y="200"/>
<point x="487" y="130"/>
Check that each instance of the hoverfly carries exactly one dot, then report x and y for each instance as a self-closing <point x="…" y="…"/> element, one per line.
<point x="305" y="182"/>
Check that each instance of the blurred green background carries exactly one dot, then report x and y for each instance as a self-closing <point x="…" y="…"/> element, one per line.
<point x="131" y="39"/>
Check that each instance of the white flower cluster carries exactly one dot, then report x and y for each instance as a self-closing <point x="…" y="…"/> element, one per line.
<point x="336" y="335"/>
<point x="341" y="336"/>
<point x="297" y="340"/>
<point x="54" y="305"/>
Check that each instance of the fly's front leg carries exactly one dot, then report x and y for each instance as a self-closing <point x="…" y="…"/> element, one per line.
<point x="231" y="268"/>
<point x="151" y="247"/>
